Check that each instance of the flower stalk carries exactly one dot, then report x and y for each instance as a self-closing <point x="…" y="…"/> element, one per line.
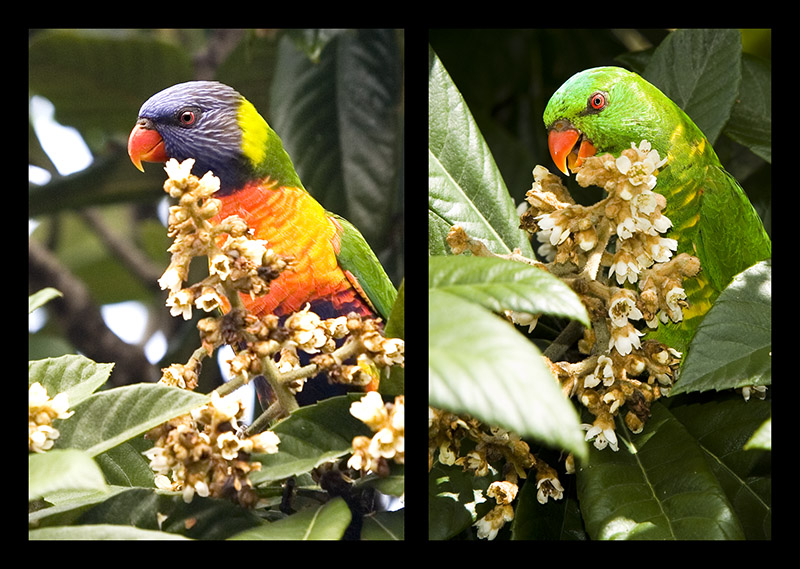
<point x="205" y="460"/>
<point x="616" y="256"/>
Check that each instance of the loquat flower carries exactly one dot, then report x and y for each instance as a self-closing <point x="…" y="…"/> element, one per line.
<point x="42" y="411"/>
<point x="490" y="524"/>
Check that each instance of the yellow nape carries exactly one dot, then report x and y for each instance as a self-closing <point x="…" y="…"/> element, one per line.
<point x="255" y="132"/>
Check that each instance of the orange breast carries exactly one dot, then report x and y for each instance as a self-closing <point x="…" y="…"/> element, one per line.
<point x="295" y="226"/>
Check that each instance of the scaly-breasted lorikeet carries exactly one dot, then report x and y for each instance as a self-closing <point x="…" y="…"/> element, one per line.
<point x="333" y="267"/>
<point x="604" y="110"/>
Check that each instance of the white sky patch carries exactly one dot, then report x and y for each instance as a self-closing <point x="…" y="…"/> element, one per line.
<point x="64" y="145"/>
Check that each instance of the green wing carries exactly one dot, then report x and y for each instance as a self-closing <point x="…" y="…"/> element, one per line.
<point x="357" y="259"/>
<point x="731" y="237"/>
<point x="724" y="231"/>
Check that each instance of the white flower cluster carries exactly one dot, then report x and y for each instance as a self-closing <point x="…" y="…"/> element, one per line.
<point x="632" y="212"/>
<point x="201" y="453"/>
<point x="41" y="412"/>
<point x="637" y="215"/>
<point x="602" y="433"/>
<point x="238" y="260"/>
<point x="387" y="421"/>
<point x="632" y="207"/>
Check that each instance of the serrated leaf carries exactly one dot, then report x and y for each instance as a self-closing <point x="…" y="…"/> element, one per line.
<point x="480" y="365"/>
<point x="499" y="284"/>
<point x="106" y="419"/>
<point x="326" y="522"/>
<point x="58" y="470"/>
<point x="657" y="486"/>
<point x="733" y="345"/>
<point x="310" y="436"/>
<point x="75" y="375"/>
<point x="706" y="81"/>
<point x="721" y="426"/>
<point x="465" y="187"/>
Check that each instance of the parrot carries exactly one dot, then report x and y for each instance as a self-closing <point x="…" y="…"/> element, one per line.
<point x="605" y="110"/>
<point x="332" y="267"/>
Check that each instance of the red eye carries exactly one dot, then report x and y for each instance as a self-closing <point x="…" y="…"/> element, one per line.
<point x="187" y="118"/>
<point x="597" y="101"/>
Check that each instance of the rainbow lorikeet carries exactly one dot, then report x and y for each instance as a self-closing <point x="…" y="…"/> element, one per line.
<point x="605" y="110"/>
<point x="333" y="267"/>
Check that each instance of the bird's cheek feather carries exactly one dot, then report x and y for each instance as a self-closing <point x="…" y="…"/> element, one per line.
<point x="145" y="145"/>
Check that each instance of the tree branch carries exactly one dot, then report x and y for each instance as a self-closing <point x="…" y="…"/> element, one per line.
<point x="80" y="316"/>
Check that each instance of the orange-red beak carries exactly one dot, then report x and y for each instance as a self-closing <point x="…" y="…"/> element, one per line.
<point x="562" y="140"/>
<point x="145" y="145"/>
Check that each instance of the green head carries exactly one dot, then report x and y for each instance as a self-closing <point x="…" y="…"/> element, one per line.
<point x="605" y="109"/>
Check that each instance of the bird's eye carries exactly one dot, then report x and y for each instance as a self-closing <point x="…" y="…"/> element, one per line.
<point x="187" y="117"/>
<point x="597" y="101"/>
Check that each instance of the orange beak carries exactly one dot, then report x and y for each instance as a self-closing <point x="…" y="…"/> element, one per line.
<point x="145" y="145"/>
<point x="562" y="140"/>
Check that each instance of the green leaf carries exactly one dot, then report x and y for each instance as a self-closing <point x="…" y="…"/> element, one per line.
<point x="58" y="470"/>
<point x="722" y="425"/>
<point x="480" y="365"/>
<point x="313" y="41"/>
<point x="700" y="70"/>
<point x="499" y="284"/>
<point x="68" y="506"/>
<point x="762" y="438"/>
<point x="453" y="496"/>
<point x="106" y="419"/>
<point x="119" y="69"/>
<point x="553" y="520"/>
<point x="42" y="297"/>
<point x="657" y="486"/>
<point x="384" y="526"/>
<point x="347" y="152"/>
<point x="310" y="436"/>
<point x="733" y="345"/>
<point x="465" y="187"/>
<point x="99" y="532"/>
<point x="325" y="522"/>
<point x="75" y="375"/>
<point x="125" y="465"/>
<point x="150" y="509"/>
<point x="751" y="119"/>
<point x="392" y="484"/>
